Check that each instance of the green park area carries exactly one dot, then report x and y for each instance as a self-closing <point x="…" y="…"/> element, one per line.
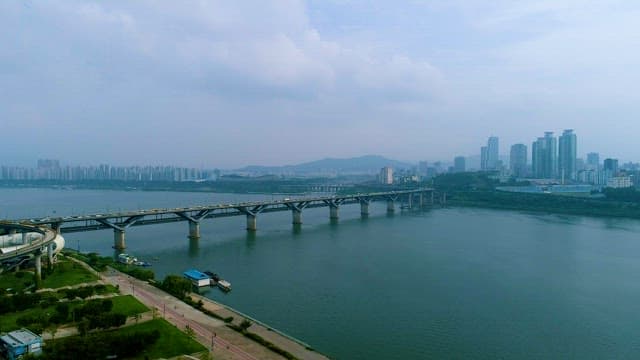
<point x="153" y="339"/>
<point x="64" y="273"/>
<point x="46" y="310"/>
<point x="67" y="273"/>
<point x="128" y="305"/>
<point x="171" y="342"/>
<point x="77" y="313"/>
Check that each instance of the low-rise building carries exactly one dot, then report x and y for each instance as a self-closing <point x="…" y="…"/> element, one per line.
<point x="619" y="182"/>
<point x="18" y="343"/>
<point x="197" y="278"/>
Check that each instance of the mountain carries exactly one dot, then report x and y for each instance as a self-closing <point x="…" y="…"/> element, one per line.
<point x="368" y="164"/>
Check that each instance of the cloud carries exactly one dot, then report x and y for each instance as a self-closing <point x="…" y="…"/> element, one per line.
<point x="269" y="44"/>
<point x="207" y="75"/>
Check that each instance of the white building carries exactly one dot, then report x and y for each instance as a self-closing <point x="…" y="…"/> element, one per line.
<point x="619" y="182"/>
<point x="386" y="175"/>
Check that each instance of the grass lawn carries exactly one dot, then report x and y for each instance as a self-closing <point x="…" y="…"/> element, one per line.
<point x="127" y="305"/>
<point x="67" y="273"/>
<point x="172" y="341"/>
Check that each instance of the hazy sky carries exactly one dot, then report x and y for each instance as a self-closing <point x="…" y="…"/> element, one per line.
<point x="230" y="83"/>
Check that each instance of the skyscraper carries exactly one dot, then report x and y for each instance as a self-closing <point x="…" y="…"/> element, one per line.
<point x="484" y="161"/>
<point x="593" y="161"/>
<point x="492" y="153"/>
<point x="489" y="154"/>
<point x="459" y="164"/>
<point x="567" y="155"/>
<point x="386" y="175"/>
<point x="518" y="160"/>
<point x="611" y="166"/>
<point x="544" y="156"/>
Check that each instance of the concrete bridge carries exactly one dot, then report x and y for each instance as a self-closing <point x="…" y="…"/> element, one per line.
<point x="120" y="221"/>
<point x="35" y="241"/>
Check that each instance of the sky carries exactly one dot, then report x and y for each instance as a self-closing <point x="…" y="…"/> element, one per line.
<point x="272" y="82"/>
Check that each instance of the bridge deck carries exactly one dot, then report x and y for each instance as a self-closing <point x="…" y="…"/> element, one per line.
<point x="125" y="219"/>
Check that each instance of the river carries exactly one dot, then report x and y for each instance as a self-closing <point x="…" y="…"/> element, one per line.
<point x="442" y="283"/>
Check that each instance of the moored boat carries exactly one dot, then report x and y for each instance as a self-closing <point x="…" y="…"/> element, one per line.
<point x="224" y="285"/>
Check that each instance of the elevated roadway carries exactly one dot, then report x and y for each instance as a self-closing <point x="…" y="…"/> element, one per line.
<point x="120" y="221"/>
<point x="30" y="246"/>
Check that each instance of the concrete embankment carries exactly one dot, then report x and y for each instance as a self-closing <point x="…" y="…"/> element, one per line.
<point x="296" y="347"/>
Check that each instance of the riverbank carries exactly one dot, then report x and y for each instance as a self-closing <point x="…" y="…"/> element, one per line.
<point x="296" y="347"/>
<point x="222" y="341"/>
<point x="545" y="203"/>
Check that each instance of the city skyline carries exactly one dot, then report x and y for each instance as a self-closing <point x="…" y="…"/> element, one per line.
<point x="492" y="140"/>
<point x="231" y="84"/>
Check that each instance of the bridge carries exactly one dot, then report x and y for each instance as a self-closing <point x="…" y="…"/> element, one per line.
<point x="119" y="222"/>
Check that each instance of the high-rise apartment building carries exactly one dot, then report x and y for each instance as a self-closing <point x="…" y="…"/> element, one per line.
<point x="611" y="166"/>
<point x="544" y="157"/>
<point x="483" y="158"/>
<point x="493" y="147"/>
<point x="518" y="160"/>
<point x="593" y="161"/>
<point x="459" y="164"/>
<point x="489" y="154"/>
<point x="386" y="175"/>
<point x="567" y="145"/>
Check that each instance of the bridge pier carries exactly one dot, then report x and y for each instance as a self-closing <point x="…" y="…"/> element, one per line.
<point x="118" y="239"/>
<point x="24" y="238"/>
<point x="391" y="206"/>
<point x="421" y="200"/>
<point x="296" y="215"/>
<point x="194" y="230"/>
<point x="50" y="254"/>
<point x="251" y="222"/>
<point x="410" y="201"/>
<point x="333" y="212"/>
<point x="38" y="260"/>
<point x="364" y="208"/>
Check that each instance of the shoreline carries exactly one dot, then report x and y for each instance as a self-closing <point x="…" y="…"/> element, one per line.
<point x="536" y="210"/>
<point x="254" y="320"/>
<point x="298" y="348"/>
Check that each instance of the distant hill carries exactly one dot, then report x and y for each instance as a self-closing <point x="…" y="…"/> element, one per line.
<point x="368" y="164"/>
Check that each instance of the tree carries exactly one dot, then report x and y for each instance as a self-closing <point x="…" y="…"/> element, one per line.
<point x="85" y="291"/>
<point x="176" y="286"/>
<point x="83" y="327"/>
<point x="189" y="331"/>
<point x="245" y="324"/>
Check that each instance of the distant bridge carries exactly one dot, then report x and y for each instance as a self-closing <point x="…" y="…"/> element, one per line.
<point x="120" y="221"/>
